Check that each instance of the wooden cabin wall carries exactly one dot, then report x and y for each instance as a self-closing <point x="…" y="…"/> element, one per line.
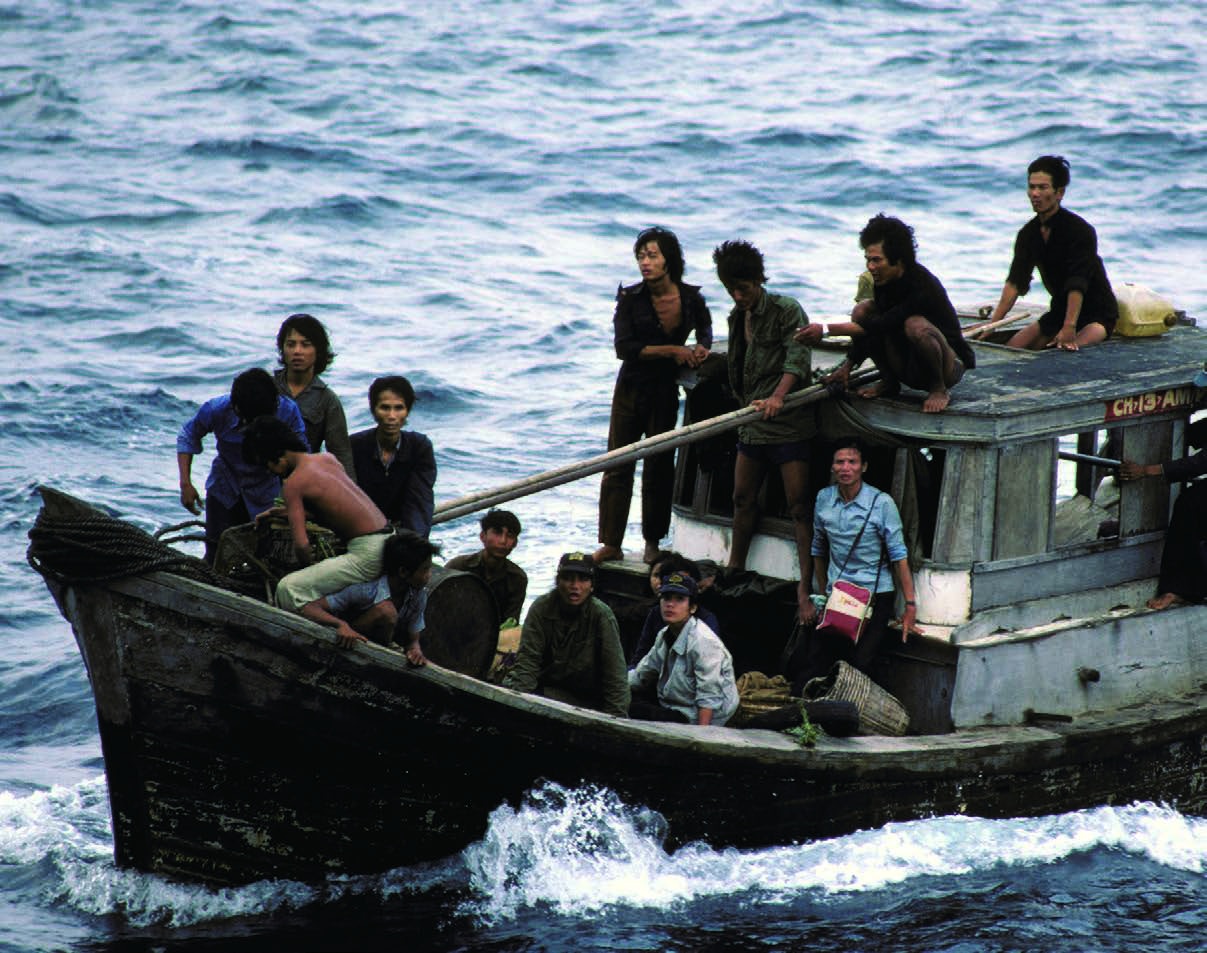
<point x="1144" y="504"/>
<point x="964" y="531"/>
<point x="1024" y="504"/>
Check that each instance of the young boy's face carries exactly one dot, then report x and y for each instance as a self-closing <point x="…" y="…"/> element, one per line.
<point x="498" y="542"/>
<point x="420" y="577"/>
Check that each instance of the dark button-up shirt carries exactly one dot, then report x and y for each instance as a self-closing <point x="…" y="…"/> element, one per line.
<point x="636" y="326"/>
<point x="917" y="292"/>
<point x="324" y="417"/>
<point x="1067" y="261"/>
<point x="404" y="490"/>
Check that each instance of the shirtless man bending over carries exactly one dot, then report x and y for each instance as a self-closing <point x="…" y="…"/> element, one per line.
<point x="317" y="482"/>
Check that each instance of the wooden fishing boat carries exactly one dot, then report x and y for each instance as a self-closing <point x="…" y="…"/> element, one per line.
<point x="240" y="743"/>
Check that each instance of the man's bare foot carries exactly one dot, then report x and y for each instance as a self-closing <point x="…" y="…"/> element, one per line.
<point x="1166" y="599"/>
<point x="879" y="389"/>
<point x="651" y="553"/>
<point x="936" y="402"/>
<point x="606" y="554"/>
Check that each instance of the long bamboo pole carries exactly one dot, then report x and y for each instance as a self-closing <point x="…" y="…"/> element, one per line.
<point x="463" y="506"/>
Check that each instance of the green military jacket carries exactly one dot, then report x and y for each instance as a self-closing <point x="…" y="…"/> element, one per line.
<point x="509" y="585"/>
<point x="755" y="370"/>
<point x="578" y="660"/>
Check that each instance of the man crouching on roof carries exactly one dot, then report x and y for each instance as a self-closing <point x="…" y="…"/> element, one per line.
<point x="909" y="329"/>
<point x="318" y="482"/>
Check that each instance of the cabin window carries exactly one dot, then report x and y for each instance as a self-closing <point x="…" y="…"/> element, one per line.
<point x="1091" y="503"/>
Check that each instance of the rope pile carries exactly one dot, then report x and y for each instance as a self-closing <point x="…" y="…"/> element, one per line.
<point x="97" y="548"/>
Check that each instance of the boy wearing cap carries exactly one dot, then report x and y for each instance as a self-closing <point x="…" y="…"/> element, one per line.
<point x="507" y="582"/>
<point x="689" y="669"/>
<point x="570" y="649"/>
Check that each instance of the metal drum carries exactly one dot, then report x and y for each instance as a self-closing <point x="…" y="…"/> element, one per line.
<point x="461" y="623"/>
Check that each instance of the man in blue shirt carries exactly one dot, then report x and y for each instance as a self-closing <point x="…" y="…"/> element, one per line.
<point x="235" y="490"/>
<point x="857" y="537"/>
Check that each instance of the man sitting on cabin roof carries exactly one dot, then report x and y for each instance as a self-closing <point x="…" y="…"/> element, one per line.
<point x="507" y="582"/>
<point x="766" y="364"/>
<point x="1183" y="577"/>
<point x="390" y="609"/>
<point x="234" y="489"/>
<point x="909" y="329"/>
<point x="570" y="647"/>
<point x="317" y="481"/>
<point x="1064" y="247"/>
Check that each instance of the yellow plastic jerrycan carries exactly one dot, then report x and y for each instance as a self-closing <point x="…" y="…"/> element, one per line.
<point x="1142" y="312"/>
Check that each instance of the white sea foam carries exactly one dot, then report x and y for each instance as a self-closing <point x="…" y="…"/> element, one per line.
<point x="582" y="852"/>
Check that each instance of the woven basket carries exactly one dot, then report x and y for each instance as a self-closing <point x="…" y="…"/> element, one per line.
<point x="759" y="694"/>
<point x="879" y="712"/>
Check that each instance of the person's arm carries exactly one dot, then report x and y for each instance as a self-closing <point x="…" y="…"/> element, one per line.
<point x="320" y="611"/>
<point x="710" y="673"/>
<point x="614" y="674"/>
<point x="703" y="323"/>
<point x="1066" y="337"/>
<point x="188" y="445"/>
<point x="335" y="434"/>
<point x="1129" y="470"/>
<point x="410" y="626"/>
<point x="190" y="499"/>
<point x="905" y="585"/>
<point x="819" y="549"/>
<point x="1007" y="300"/>
<point x="798" y="358"/>
<point x="295" y="512"/>
<point x="773" y="403"/>
<point x="516" y="591"/>
<point x="1174" y="471"/>
<point x="418" y="501"/>
<point x="525" y="674"/>
<point x="645" y="672"/>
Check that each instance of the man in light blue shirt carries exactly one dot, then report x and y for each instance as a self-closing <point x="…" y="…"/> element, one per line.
<point x="857" y="537"/>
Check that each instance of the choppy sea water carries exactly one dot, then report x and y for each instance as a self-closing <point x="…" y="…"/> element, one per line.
<point x="454" y="190"/>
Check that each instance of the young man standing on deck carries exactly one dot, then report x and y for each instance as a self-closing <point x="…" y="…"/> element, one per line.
<point x="767" y="363"/>
<point x="909" y="328"/>
<point x="317" y="481"/>
<point x="1064" y="247"/>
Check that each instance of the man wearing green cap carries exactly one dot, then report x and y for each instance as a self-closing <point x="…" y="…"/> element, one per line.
<point x="570" y="648"/>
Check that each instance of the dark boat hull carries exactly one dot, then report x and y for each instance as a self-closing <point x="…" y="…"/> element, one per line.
<point x="240" y="743"/>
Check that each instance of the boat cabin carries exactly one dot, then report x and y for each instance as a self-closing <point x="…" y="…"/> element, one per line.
<point x="1015" y="524"/>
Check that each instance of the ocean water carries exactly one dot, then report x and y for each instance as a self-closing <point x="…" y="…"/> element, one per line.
<point x="454" y="190"/>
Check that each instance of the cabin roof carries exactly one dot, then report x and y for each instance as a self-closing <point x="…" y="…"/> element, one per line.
<point x="1013" y="395"/>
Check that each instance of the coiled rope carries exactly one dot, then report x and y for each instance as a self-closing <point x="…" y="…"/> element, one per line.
<point x="97" y="548"/>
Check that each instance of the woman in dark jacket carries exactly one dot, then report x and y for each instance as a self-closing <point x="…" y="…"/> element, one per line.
<point x="652" y="322"/>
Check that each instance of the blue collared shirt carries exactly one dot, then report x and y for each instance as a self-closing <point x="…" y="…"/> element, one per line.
<point x="231" y="478"/>
<point x="836" y="523"/>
